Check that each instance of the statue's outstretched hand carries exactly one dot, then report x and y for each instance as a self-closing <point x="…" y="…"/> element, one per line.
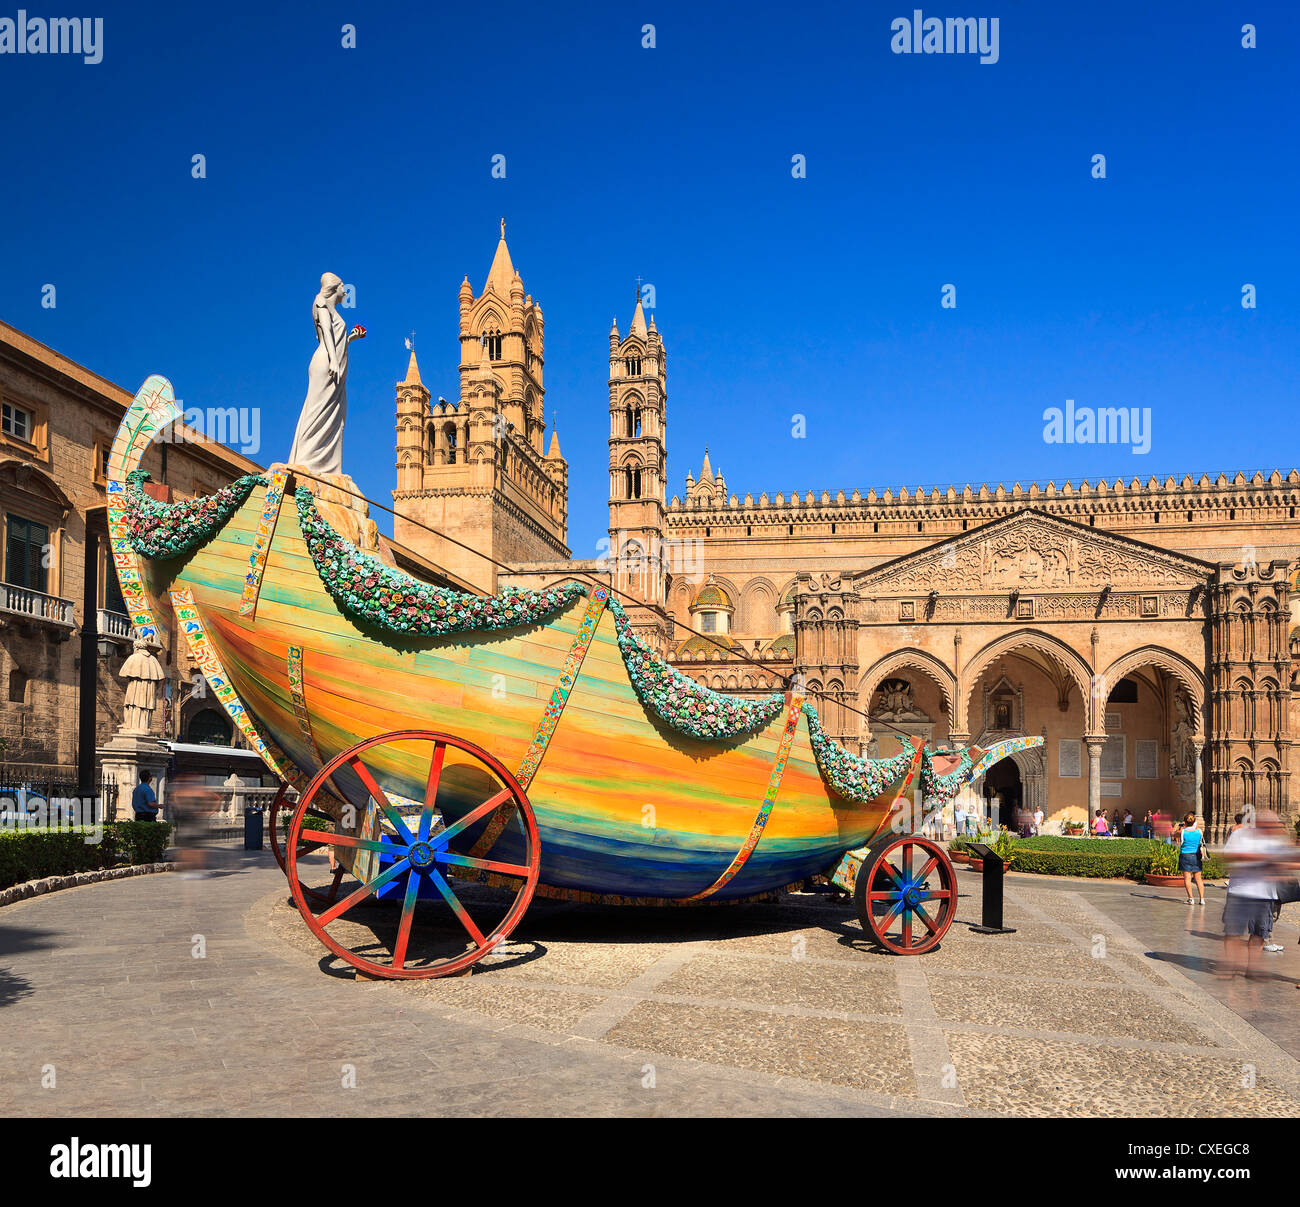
<point x="357" y="332"/>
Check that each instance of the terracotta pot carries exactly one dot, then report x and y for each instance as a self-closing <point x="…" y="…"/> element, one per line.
<point x="977" y="865"/>
<point x="958" y="857"/>
<point x="1164" y="880"/>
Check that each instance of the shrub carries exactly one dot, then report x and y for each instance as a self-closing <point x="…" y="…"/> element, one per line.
<point x="32" y="854"/>
<point x="1084" y="863"/>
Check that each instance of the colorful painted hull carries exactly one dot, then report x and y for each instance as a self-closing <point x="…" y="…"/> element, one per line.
<point x="625" y="805"/>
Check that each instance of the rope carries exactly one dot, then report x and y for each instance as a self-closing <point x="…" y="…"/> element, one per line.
<point x="592" y="578"/>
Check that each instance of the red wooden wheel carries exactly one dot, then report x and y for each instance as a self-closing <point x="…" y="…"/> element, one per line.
<point x="472" y="808"/>
<point x="304" y="848"/>
<point x="906" y="894"/>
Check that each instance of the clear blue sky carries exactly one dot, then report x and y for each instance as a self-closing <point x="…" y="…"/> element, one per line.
<point x="775" y="296"/>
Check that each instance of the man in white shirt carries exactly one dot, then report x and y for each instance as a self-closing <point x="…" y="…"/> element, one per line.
<point x="1256" y="855"/>
<point x="1038" y="820"/>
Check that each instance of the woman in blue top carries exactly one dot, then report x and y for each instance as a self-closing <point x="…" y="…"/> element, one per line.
<point x="1190" y="843"/>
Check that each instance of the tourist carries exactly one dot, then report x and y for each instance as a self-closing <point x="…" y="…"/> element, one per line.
<point x="1255" y="855"/>
<point x="959" y="817"/>
<point x="143" y="800"/>
<point x="1038" y="820"/>
<point x="1127" y="831"/>
<point x="1191" y="854"/>
<point x="1099" y="826"/>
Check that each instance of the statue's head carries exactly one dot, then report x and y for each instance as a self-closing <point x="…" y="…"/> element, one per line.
<point x="331" y="286"/>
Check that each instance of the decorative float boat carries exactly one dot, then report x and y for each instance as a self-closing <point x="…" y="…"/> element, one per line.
<point x="460" y="752"/>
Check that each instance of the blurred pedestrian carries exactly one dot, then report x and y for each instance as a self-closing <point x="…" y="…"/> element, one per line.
<point x="1257" y="856"/>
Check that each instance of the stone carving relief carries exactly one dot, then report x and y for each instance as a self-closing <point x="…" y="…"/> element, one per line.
<point x="1032" y="554"/>
<point x="895" y="702"/>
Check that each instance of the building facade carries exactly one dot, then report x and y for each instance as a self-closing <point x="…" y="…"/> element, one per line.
<point x="1147" y="630"/>
<point x="64" y="629"/>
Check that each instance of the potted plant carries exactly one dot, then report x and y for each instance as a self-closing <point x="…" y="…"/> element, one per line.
<point x="1163" y="868"/>
<point x="1004" y="845"/>
<point x="957" y="851"/>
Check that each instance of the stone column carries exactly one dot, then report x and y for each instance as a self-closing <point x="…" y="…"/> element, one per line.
<point x="1095" y="743"/>
<point x="1198" y="745"/>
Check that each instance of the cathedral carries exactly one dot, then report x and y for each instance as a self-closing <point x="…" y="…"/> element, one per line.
<point x="1145" y="629"/>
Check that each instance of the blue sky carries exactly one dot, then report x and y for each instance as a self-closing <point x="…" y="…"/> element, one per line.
<point x="775" y="296"/>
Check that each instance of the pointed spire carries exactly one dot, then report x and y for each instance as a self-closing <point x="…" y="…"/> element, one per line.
<point x="553" y="453"/>
<point x="412" y="372"/>
<point x="613" y="327"/>
<point x="502" y="271"/>
<point x="706" y="472"/>
<point x="638" y="319"/>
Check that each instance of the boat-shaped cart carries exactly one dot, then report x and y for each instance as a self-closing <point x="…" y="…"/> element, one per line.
<point x="456" y="754"/>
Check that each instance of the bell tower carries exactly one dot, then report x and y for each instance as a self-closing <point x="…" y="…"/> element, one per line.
<point x="638" y="412"/>
<point x="475" y="468"/>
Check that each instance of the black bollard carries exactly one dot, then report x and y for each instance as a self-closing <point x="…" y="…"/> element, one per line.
<point x="991" y="914"/>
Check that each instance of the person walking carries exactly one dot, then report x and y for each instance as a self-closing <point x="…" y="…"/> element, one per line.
<point x="1255" y="855"/>
<point x="1038" y="820"/>
<point x="1099" y="826"/>
<point x="1191" y="854"/>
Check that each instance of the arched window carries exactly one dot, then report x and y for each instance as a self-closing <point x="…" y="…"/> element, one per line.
<point x="17" y="687"/>
<point x="632" y="481"/>
<point x="451" y="443"/>
<point x="492" y="342"/>
<point x="208" y="728"/>
<point x="633" y="366"/>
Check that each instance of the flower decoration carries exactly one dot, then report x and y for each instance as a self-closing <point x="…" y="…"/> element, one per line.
<point x="942" y="788"/>
<point x="370" y="591"/>
<point x="166" y="530"/>
<point x="680" y="702"/>
<point x="852" y="777"/>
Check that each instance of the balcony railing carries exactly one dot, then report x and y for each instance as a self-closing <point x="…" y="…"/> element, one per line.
<point x="113" y="624"/>
<point x="36" y="605"/>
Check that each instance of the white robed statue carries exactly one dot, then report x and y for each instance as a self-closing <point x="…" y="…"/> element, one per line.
<point x="318" y="442"/>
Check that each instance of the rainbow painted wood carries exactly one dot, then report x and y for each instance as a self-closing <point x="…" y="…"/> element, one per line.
<point x="626" y="807"/>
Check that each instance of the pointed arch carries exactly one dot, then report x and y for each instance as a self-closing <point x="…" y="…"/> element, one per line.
<point x="930" y="666"/>
<point x="1065" y="656"/>
<point x="1175" y="664"/>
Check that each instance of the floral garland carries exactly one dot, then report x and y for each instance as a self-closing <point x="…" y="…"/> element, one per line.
<point x="165" y="530"/>
<point x="942" y="788"/>
<point x="680" y="702"/>
<point x="370" y="590"/>
<point x="854" y="778"/>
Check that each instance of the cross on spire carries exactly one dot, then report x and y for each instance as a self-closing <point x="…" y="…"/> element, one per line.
<point x="503" y="228"/>
<point x="638" y="291"/>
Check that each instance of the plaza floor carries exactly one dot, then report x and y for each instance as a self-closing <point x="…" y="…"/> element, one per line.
<point x="1104" y="1002"/>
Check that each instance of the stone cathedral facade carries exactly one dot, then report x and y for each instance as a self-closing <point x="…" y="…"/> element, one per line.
<point x="1148" y="630"/>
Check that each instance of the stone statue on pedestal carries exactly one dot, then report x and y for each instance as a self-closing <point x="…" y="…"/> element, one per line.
<point x="142" y="674"/>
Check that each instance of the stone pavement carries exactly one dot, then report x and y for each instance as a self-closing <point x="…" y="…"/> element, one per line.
<point x="754" y="1010"/>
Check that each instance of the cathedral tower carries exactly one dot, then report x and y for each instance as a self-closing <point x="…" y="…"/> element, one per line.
<point x="475" y="469"/>
<point x="638" y="413"/>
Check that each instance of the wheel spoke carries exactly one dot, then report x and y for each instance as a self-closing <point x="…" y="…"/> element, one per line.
<point x="323" y="838"/>
<point x="883" y="895"/>
<point x="334" y="885"/>
<point x="907" y="860"/>
<point x="886" y="866"/>
<point x="404" y="927"/>
<point x="488" y="865"/>
<point x="471" y="817"/>
<point x="883" y="925"/>
<point x="907" y="928"/>
<point x="431" y="790"/>
<point x="929" y="925"/>
<point x="377" y="795"/>
<point x="925" y="871"/>
<point x="363" y="892"/>
<point x="461" y="912"/>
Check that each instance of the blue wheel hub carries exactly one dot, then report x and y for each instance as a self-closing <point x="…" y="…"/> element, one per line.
<point x="421" y="855"/>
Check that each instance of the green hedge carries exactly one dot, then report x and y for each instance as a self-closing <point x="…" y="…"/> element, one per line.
<point x="1049" y="855"/>
<point x="1049" y="842"/>
<point x="35" y="854"/>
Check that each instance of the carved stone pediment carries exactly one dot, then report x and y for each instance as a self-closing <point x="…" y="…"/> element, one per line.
<point x="1032" y="551"/>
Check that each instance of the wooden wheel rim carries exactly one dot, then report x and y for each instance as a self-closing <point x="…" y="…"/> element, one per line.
<point x="898" y="879"/>
<point x="425" y="860"/>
